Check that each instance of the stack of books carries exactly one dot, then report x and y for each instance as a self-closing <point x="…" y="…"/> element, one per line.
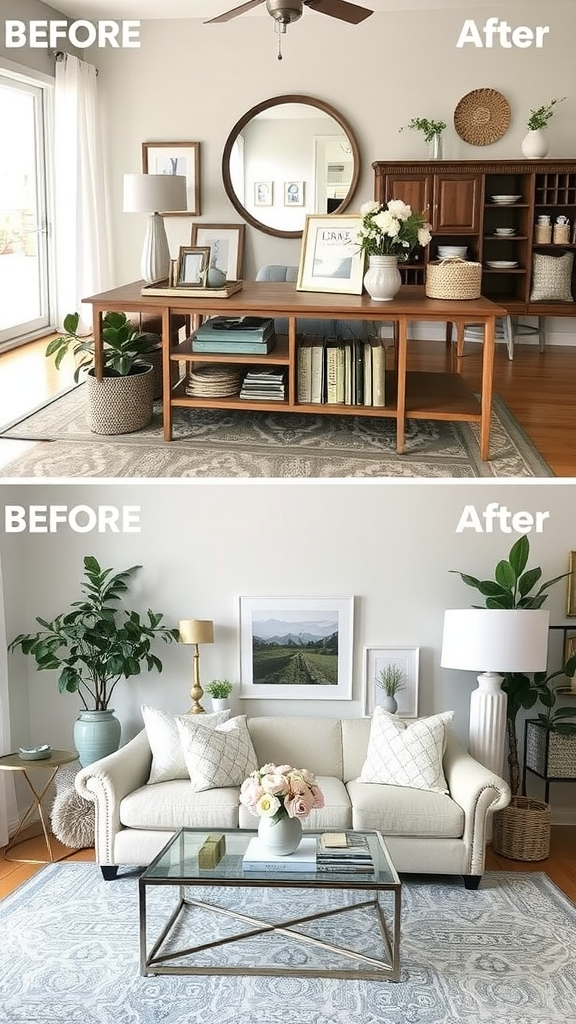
<point x="251" y="335"/>
<point x="335" y="371"/>
<point x="264" y="385"/>
<point x="344" y="852"/>
<point x="258" y="858"/>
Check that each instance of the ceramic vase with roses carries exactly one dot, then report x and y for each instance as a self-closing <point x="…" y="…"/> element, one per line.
<point x="281" y="796"/>
<point x="387" y="235"/>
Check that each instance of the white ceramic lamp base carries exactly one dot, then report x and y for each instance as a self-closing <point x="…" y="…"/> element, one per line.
<point x="487" y="737"/>
<point x="155" y="264"/>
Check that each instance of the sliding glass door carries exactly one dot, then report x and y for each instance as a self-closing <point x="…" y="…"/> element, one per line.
<point x="24" y="291"/>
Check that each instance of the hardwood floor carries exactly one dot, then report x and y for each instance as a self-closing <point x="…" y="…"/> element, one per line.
<point x="538" y="388"/>
<point x="560" y="866"/>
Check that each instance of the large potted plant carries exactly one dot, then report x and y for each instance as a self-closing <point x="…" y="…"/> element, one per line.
<point x="521" y="830"/>
<point x="94" y="645"/>
<point x="123" y="400"/>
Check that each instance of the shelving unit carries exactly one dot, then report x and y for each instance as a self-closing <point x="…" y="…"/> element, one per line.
<point x="457" y="196"/>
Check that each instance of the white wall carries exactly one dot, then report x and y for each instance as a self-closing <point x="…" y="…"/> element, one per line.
<point x="202" y="546"/>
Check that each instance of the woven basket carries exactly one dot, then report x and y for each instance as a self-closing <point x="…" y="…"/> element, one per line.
<point x="453" y="278"/>
<point x="120" y="405"/>
<point x="522" y="830"/>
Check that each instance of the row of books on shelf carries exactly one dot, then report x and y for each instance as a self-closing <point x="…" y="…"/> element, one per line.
<point x="341" y="371"/>
<point x="350" y="857"/>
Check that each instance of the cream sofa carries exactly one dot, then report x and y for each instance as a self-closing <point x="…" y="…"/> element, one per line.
<point x="426" y="832"/>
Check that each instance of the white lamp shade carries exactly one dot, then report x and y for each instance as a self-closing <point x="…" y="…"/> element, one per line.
<point x="152" y="193"/>
<point x="495" y="640"/>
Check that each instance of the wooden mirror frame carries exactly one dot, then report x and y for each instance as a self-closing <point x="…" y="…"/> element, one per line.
<point x="265" y="105"/>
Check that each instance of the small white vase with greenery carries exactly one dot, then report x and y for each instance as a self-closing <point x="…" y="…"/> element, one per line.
<point x="390" y="679"/>
<point x="219" y="691"/>
<point x="535" y="143"/>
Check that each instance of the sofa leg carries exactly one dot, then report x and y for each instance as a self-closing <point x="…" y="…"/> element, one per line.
<point x="472" y="881"/>
<point x="109" y="871"/>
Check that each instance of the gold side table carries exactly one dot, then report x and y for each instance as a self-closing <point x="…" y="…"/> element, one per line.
<point x="15" y="763"/>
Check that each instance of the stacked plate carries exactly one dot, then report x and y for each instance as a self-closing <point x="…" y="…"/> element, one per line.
<point x="501" y="264"/>
<point x="446" y="252"/>
<point x="505" y="200"/>
<point x="214" y="381"/>
<point x="504" y="232"/>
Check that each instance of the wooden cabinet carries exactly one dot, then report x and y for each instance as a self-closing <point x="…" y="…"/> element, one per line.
<point x="463" y="212"/>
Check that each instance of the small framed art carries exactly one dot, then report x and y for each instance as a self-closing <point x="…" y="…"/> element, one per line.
<point x="176" y="158"/>
<point x="192" y="268"/>
<point x="226" y="243"/>
<point x="263" y="193"/>
<point x="293" y="193"/>
<point x="296" y="648"/>
<point x="331" y="259"/>
<point x="377" y="663"/>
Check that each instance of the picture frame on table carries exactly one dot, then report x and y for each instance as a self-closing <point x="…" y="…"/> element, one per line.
<point x="571" y="608"/>
<point x="296" y="648"/>
<point x="378" y="658"/>
<point x="293" y="193"/>
<point x="263" y="193"/>
<point x="330" y="258"/>
<point x="226" y="244"/>
<point x="192" y="267"/>
<point x="176" y="158"/>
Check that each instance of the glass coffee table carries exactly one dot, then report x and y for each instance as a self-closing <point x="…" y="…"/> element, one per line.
<point x="186" y="933"/>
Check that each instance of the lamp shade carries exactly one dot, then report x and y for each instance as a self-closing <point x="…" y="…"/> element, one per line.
<point x="152" y="193"/>
<point x="196" y="631"/>
<point x="495" y="640"/>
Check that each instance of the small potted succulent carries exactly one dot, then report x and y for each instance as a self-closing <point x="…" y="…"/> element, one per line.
<point x="219" y="691"/>
<point x="390" y="679"/>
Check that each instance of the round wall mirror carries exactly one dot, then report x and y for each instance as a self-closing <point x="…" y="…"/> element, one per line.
<point x="287" y="157"/>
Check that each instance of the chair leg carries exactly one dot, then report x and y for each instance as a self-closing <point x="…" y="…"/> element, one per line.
<point x="509" y="335"/>
<point x="541" y="333"/>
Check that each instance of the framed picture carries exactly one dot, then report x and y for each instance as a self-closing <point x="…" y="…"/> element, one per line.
<point x="176" y="158"/>
<point x="569" y="646"/>
<point x="330" y="259"/>
<point x="226" y="243"/>
<point x="572" y="585"/>
<point x="296" y="648"/>
<point x="376" y="661"/>
<point x="263" y="193"/>
<point x="193" y="266"/>
<point x="293" y="193"/>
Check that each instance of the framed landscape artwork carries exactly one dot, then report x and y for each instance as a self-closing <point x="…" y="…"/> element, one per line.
<point x="377" y="659"/>
<point x="226" y="242"/>
<point x="176" y="158"/>
<point x="296" y="648"/>
<point x="330" y="259"/>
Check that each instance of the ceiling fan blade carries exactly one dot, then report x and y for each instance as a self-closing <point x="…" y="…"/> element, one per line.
<point x="235" y="12"/>
<point x="340" y="9"/>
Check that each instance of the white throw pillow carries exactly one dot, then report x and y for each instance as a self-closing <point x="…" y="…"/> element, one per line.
<point x="219" y="757"/>
<point x="164" y="739"/>
<point x="406" y="755"/>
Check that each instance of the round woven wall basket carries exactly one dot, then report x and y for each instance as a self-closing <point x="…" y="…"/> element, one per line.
<point x="482" y="117"/>
<point x="120" y="405"/>
<point x="522" y="830"/>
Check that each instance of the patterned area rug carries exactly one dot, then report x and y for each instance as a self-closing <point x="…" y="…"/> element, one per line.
<point x="501" y="955"/>
<point x="214" y="443"/>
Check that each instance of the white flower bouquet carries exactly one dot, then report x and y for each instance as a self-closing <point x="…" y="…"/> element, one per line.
<point x="392" y="230"/>
<point x="279" y="791"/>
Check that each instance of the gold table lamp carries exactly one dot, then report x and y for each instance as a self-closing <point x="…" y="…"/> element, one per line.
<point x="195" y="632"/>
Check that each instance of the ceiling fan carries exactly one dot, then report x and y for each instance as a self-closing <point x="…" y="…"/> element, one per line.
<point x="285" y="12"/>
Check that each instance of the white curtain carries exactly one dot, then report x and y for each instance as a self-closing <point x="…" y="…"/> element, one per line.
<point x="82" y="244"/>
<point x="7" y="798"/>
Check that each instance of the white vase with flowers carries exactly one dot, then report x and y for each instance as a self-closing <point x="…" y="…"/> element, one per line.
<point x="388" y="235"/>
<point x="281" y="796"/>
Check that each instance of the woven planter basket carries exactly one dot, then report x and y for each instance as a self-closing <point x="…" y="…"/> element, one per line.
<point x="120" y="405"/>
<point x="522" y="830"/>
<point x="453" y="279"/>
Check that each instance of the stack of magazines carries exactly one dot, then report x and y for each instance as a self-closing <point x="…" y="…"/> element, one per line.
<point x="343" y="851"/>
<point x="269" y="385"/>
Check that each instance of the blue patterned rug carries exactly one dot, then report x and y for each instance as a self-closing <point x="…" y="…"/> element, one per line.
<point x="501" y="955"/>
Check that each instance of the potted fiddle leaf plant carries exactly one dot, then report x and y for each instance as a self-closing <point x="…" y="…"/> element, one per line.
<point x="93" y="646"/>
<point x="522" y="830"/>
<point x="122" y="401"/>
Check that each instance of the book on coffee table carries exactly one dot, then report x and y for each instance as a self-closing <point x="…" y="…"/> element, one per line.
<point x="258" y="858"/>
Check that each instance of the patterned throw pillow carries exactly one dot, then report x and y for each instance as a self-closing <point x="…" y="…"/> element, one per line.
<point x="401" y="755"/>
<point x="219" y="757"/>
<point x="164" y="739"/>
<point x="552" y="278"/>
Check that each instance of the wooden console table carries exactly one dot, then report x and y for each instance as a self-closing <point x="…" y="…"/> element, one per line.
<point x="413" y="395"/>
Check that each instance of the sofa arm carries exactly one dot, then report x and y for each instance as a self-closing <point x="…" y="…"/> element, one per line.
<point x="107" y="782"/>
<point x="478" y="791"/>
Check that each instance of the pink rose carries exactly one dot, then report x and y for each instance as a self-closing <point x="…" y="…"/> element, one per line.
<point x="250" y="792"/>
<point x="298" y="806"/>
<point x="318" y="797"/>
<point x="275" y="783"/>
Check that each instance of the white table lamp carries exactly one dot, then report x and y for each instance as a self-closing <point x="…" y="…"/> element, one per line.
<point x="496" y="641"/>
<point x="152" y="193"/>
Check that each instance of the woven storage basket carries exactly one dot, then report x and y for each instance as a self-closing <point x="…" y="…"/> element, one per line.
<point x="120" y="405"/>
<point x="453" y="279"/>
<point x="522" y="830"/>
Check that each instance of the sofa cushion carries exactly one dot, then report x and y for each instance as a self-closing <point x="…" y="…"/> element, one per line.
<point x="174" y="804"/>
<point x="402" y="811"/>
<point x="336" y="813"/>
<point x="222" y="756"/>
<point x="406" y="755"/>
<point x="312" y="743"/>
<point x="164" y="739"/>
